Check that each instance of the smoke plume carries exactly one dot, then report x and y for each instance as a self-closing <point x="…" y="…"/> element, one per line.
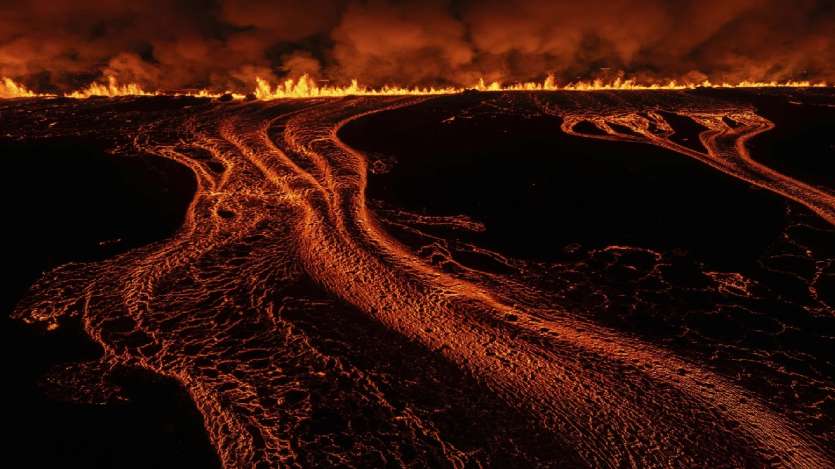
<point x="55" y="45"/>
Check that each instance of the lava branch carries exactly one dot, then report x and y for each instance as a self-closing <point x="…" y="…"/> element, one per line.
<point x="725" y="145"/>
<point x="289" y="201"/>
<point x="567" y="385"/>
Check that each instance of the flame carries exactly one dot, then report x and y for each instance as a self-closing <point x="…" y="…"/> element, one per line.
<point x="550" y="84"/>
<point x="12" y="89"/>
<point x="766" y="84"/>
<point x="306" y="87"/>
<point x="210" y="94"/>
<point x="111" y="89"/>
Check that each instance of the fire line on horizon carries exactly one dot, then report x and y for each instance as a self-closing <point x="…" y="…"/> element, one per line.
<point x="307" y="87"/>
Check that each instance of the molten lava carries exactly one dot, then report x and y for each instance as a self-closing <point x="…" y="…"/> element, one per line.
<point x="281" y="204"/>
<point x="725" y="145"/>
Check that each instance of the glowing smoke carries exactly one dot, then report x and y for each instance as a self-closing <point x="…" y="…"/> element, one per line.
<point x="59" y="45"/>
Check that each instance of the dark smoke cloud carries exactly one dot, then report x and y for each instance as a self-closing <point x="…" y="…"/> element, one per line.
<point x="62" y="44"/>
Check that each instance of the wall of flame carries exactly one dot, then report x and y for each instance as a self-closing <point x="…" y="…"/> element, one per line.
<point x="306" y="87"/>
<point x="61" y="46"/>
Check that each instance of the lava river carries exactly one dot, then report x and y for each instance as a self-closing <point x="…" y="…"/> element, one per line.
<point x="225" y="307"/>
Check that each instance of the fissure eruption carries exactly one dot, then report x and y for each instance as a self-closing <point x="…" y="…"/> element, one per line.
<point x="419" y="233"/>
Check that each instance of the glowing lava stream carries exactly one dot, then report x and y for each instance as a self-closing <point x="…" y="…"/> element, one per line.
<point x="583" y="384"/>
<point x="725" y="146"/>
<point x="291" y="198"/>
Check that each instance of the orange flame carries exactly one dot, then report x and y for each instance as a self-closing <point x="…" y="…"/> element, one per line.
<point x="550" y="84"/>
<point x="12" y="89"/>
<point x="111" y="89"/>
<point x="307" y="87"/>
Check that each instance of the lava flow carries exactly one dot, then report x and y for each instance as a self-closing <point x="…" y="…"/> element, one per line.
<point x="724" y="142"/>
<point x="225" y="307"/>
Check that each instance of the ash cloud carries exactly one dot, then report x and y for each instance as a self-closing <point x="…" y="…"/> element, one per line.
<point x="61" y="44"/>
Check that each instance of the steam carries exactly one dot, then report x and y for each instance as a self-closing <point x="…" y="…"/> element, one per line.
<point x="58" y="45"/>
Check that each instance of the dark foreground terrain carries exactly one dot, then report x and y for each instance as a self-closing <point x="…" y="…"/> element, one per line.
<point x="504" y="279"/>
